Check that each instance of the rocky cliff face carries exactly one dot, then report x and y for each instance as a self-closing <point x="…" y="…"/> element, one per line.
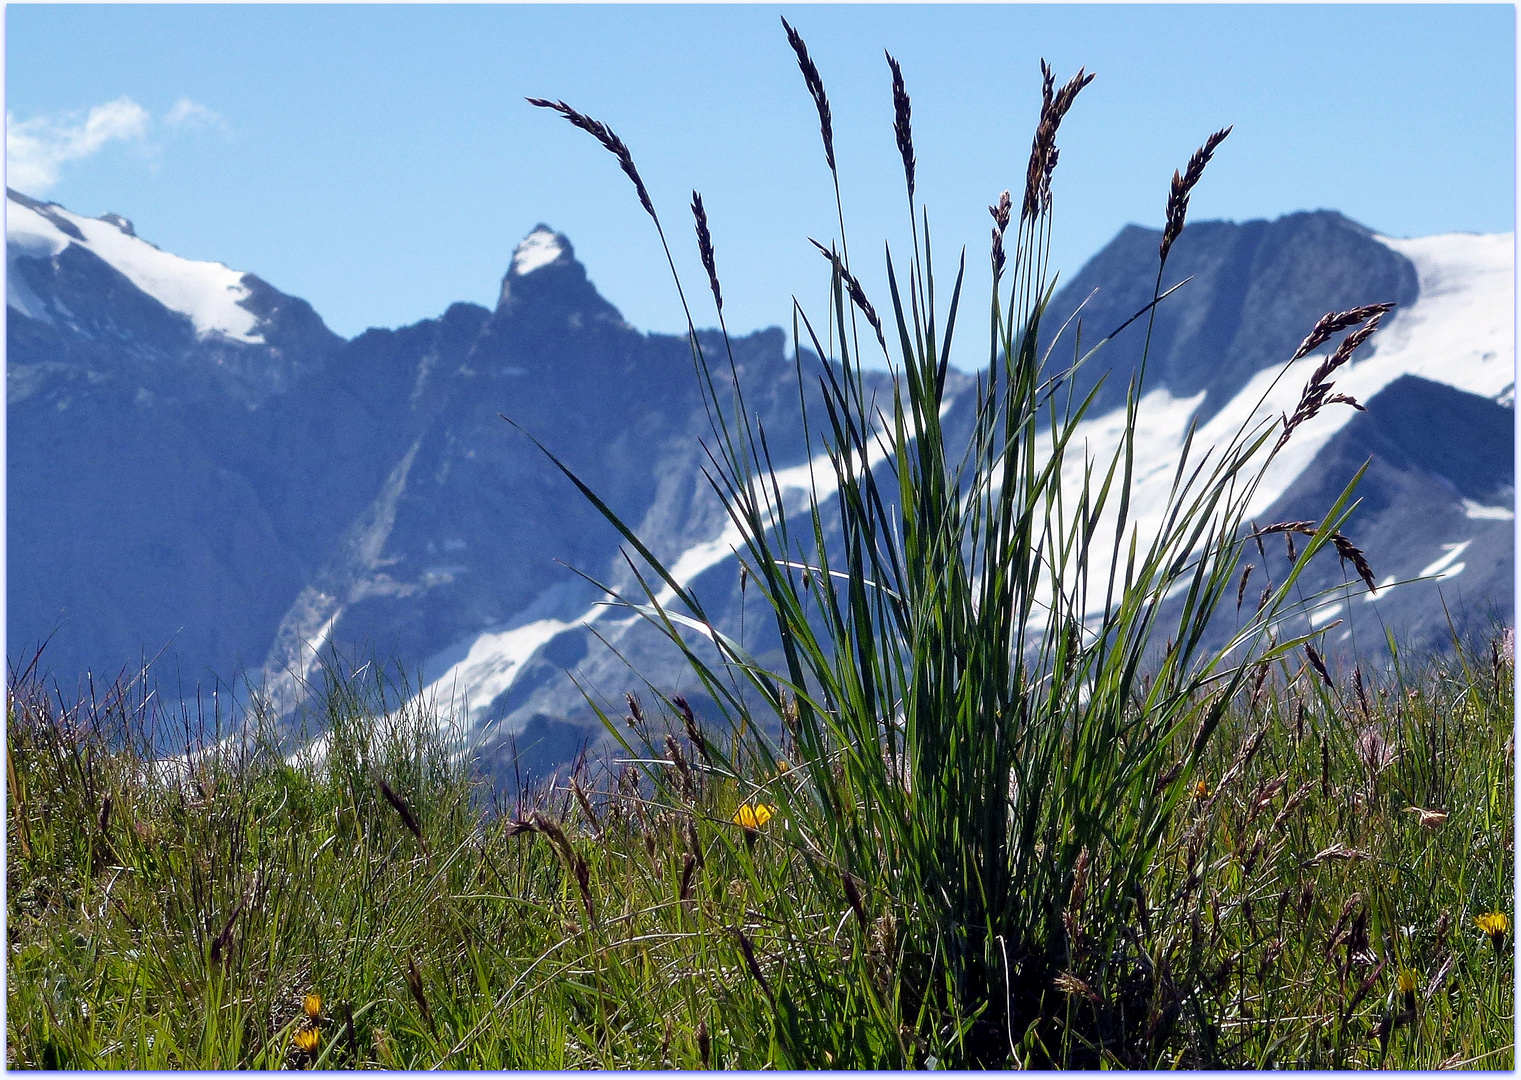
<point x="199" y="469"/>
<point x="133" y="380"/>
<point x="1253" y="291"/>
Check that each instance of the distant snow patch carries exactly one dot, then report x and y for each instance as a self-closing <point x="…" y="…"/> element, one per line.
<point x="1479" y="512"/>
<point x="491" y="665"/>
<point x="1447" y="566"/>
<point x="1461" y="331"/>
<point x="540" y="248"/>
<point x="28" y="235"/>
<point x="1324" y="614"/>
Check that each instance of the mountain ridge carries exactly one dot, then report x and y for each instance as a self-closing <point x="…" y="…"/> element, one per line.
<point x="369" y="496"/>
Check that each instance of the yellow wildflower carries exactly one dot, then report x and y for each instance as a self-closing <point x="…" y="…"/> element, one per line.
<point x="1201" y="790"/>
<point x="307" y="1041"/>
<point x="1494" y="923"/>
<point x="1407" y="981"/>
<point x="312" y="1006"/>
<point x="753" y="817"/>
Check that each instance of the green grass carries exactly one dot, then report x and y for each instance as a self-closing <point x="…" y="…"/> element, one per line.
<point x="1026" y="808"/>
<point x="1234" y="961"/>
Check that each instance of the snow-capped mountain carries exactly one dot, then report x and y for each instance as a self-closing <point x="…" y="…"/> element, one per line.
<point x="93" y="295"/>
<point x="198" y="466"/>
<point x="1436" y="379"/>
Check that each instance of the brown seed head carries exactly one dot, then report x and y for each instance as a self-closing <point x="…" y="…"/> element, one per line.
<point x="604" y="135"/>
<point x="901" y="129"/>
<point x="749" y="953"/>
<point x="694" y="731"/>
<point x="415" y="984"/>
<point x="586" y="807"/>
<point x="1333" y="322"/>
<point x="857" y="297"/>
<point x="1069" y="984"/>
<point x="853" y="897"/>
<point x="1000" y="223"/>
<point x="815" y="89"/>
<point x="1054" y="106"/>
<point x="683" y="770"/>
<point x="1318" y="664"/>
<point x="1183" y="184"/>
<point x="1241" y="589"/>
<point x="705" y="250"/>
<point x="405" y="812"/>
<point x="688" y="868"/>
<point x="1002" y="211"/>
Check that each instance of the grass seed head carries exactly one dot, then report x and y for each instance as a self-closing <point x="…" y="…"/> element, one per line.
<point x="1183" y="185"/>
<point x="815" y="86"/>
<point x="705" y="250"/>
<point x="853" y="898"/>
<point x="415" y="985"/>
<point x="748" y="951"/>
<point x="1054" y="106"/>
<point x="858" y="298"/>
<point x="688" y="868"/>
<point x="403" y="811"/>
<point x="902" y="129"/>
<point x="693" y="729"/>
<point x="1428" y="819"/>
<point x="604" y="135"/>
<point x="1334" y="322"/>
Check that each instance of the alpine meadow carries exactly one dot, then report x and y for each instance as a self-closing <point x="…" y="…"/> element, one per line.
<point x="1035" y="762"/>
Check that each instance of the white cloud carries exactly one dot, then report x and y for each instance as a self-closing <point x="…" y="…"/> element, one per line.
<point x="36" y="149"/>
<point x="187" y="113"/>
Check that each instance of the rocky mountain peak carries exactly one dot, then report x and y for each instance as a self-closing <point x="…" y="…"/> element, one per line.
<point x="540" y="248"/>
<point x="120" y="222"/>
<point x="545" y="278"/>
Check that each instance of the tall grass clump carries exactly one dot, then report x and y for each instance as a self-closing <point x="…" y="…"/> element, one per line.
<point x="997" y="688"/>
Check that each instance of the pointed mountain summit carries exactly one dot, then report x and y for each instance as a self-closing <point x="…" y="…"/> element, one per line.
<point x="544" y="281"/>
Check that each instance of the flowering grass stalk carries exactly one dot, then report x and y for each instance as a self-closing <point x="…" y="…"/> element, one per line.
<point x="972" y="625"/>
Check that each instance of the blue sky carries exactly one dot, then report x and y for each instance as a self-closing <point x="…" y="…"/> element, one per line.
<point x="380" y="161"/>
